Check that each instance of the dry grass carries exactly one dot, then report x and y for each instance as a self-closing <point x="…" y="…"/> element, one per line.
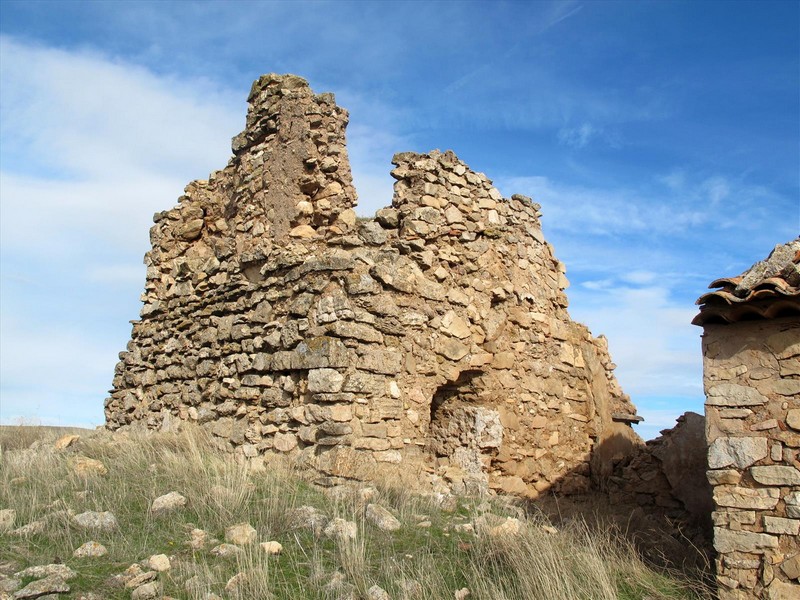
<point x="424" y="563"/>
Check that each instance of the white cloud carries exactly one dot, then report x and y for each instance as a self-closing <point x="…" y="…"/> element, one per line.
<point x="91" y="148"/>
<point x="577" y="137"/>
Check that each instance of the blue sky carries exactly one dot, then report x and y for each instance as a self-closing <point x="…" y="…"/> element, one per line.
<point x="662" y="140"/>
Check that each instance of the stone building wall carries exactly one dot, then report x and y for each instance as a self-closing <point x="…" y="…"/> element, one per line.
<point x="432" y="340"/>
<point x="668" y="476"/>
<point x="752" y="383"/>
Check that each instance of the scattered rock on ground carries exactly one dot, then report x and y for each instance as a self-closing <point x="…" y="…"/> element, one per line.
<point x="90" y="550"/>
<point x="381" y="518"/>
<point x="341" y="530"/>
<point x="308" y="517"/>
<point x="9" y="584"/>
<point x="52" y="584"/>
<point x="225" y="550"/>
<point x="40" y="571"/>
<point x="240" y="534"/>
<point x="139" y="580"/>
<point x="101" y="521"/>
<point x="235" y="583"/>
<point x="32" y="528"/>
<point x="88" y="467"/>
<point x="148" y="591"/>
<point x="159" y="562"/>
<point x="198" y="539"/>
<point x="377" y="593"/>
<point x="65" y="441"/>
<point x="167" y="502"/>
<point x="272" y="548"/>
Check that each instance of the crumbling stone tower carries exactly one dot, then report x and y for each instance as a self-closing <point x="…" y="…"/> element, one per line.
<point x="433" y="340"/>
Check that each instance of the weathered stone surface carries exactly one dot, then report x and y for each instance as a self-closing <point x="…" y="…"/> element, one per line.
<point x="41" y="571"/>
<point x="148" y="591"/>
<point x="159" y="563"/>
<point x="791" y="567"/>
<point x="272" y="548"/>
<point x="377" y="593"/>
<point x="66" y="441"/>
<point x="776" y="475"/>
<point x="88" y="467"/>
<point x="240" y="534"/>
<point x="742" y="541"/>
<point x="731" y="394"/>
<point x="325" y="380"/>
<point x="52" y="584"/>
<point x="793" y="418"/>
<point x="100" y="521"/>
<point x="226" y="550"/>
<point x="341" y="530"/>
<point x="90" y="549"/>
<point x="742" y="497"/>
<point x="780" y="525"/>
<point x="740" y="452"/>
<point x="381" y="518"/>
<point x="167" y="503"/>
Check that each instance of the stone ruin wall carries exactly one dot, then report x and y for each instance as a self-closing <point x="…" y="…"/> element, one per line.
<point x="752" y="382"/>
<point x="667" y="476"/>
<point x="432" y="341"/>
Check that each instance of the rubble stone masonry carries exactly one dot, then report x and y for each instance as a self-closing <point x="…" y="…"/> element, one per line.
<point x="752" y="382"/>
<point x="432" y="341"/>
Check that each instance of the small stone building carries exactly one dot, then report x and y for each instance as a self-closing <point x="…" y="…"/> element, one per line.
<point x="432" y="341"/>
<point x="751" y="361"/>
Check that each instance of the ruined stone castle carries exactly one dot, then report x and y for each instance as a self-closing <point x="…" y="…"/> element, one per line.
<point x="432" y="341"/>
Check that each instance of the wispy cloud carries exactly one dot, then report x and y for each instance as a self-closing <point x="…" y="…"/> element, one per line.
<point x="99" y="145"/>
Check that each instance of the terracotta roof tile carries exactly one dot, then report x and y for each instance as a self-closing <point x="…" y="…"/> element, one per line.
<point x="769" y="289"/>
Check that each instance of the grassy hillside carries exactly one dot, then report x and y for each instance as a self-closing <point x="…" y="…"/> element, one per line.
<point x="444" y="548"/>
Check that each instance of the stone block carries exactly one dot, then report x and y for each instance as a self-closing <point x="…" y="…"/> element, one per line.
<point x="731" y="394"/>
<point x="740" y="452"/>
<point x="325" y="381"/>
<point x="778" y="475"/>
<point x="747" y="498"/>
<point x="780" y="525"/>
<point x="743" y="541"/>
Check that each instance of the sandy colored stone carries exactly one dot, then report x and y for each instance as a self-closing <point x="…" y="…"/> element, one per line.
<point x="167" y="503"/>
<point x="100" y="521"/>
<point x="159" y="563"/>
<point x="341" y="530"/>
<point x="296" y="314"/>
<point x="65" y="441"/>
<point x="52" y="584"/>
<point x="731" y="394"/>
<point x="88" y="467"/>
<point x="747" y="498"/>
<point x="742" y="541"/>
<point x="740" y="452"/>
<point x="272" y="548"/>
<point x="41" y="571"/>
<point x="776" y="475"/>
<point x="148" y="591"/>
<point x="226" y="550"/>
<point x="90" y="549"/>
<point x="791" y="567"/>
<point x="793" y="418"/>
<point x="240" y="534"/>
<point x="381" y="518"/>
